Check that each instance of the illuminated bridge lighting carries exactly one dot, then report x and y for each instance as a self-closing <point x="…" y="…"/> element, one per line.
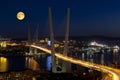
<point x="114" y="72"/>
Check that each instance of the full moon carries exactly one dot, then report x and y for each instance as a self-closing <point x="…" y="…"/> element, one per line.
<point x="20" y="15"/>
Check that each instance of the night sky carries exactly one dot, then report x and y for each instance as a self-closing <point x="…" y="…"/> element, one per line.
<point x="88" y="17"/>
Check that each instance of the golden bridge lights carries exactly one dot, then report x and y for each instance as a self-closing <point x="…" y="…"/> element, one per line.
<point x="112" y="71"/>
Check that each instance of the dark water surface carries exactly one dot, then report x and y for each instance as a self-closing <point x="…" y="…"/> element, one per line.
<point x="17" y="63"/>
<point x="44" y="62"/>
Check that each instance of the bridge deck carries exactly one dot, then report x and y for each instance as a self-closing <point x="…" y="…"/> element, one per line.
<point x="115" y="73"/>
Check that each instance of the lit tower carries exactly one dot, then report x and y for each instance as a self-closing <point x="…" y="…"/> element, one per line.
<point x="54" y="67"/>
<point x="67" y="33"/>
<point x="66" y="65"/>
<point x="29" y="40"/>
<point x="52" y="41"/>
<point x="36" y="34"/>
<point x="36" y="38"/>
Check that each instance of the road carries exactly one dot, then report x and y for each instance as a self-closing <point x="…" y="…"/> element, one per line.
<point x="114" y="73"/>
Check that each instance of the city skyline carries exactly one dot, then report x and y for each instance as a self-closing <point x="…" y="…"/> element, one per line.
<point x="87" y="17"/>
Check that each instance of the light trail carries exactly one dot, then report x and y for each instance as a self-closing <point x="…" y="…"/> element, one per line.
<point x="114" y="72"/>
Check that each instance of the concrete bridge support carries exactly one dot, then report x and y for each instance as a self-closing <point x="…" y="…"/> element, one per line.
<point x="35" y="51"/>
<point x="64" y="66"/>
<point x="32" y="50"/>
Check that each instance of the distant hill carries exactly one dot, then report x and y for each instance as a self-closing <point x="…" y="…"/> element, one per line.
<point x="94" y="37"/>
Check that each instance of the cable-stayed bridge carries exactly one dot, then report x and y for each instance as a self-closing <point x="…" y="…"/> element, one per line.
<point x="113" y="73"/>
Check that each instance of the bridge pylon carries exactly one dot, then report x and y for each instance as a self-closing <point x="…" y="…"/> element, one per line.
<point x="29" y="41"/>
<point x="36" y="38"/>
<point x="35" y="41"/>
<point x="54" y="59"/>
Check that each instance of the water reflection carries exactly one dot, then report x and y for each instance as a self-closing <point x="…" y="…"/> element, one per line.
<point x="107" y="58"/>
<point x="18" y="63"/>
<point x="3" y="64"/>
<point x="48" y="63"/>
<point x="32" y="64"/>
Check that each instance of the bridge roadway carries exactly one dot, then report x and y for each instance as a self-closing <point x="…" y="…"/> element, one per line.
<point x="114" y="73"/>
